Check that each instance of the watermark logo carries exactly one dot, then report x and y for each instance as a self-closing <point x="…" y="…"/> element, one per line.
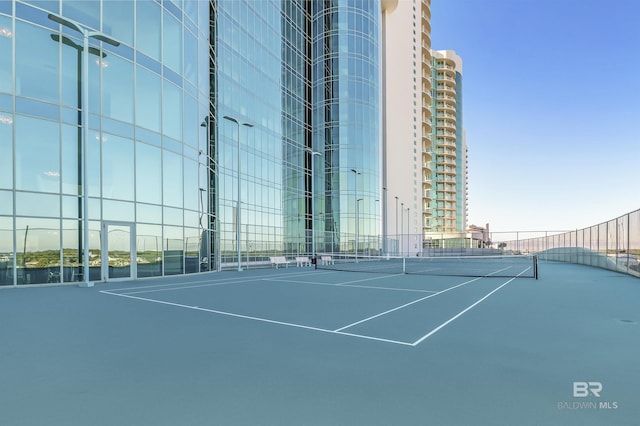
<point x="590" y="389"/>
<point x="584" y="389"/>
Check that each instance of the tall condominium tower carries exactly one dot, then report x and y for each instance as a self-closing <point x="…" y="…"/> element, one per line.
<point x="408" y="130"/>
<point x="449" y="170"/>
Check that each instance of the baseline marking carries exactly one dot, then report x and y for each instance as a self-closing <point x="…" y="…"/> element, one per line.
<point x="197" y="308"/>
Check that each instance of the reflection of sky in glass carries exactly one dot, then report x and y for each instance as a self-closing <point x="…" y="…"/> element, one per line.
<point x="37" y="155"/>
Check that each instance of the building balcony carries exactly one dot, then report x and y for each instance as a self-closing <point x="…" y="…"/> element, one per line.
<point x="446" y="124"/>
<point x="448" y="106"/>
<point x="426" y="87"/>
<point x="445" y="76"/>
<point x="442" y="96"/>
<point x="448" y="144"/>
<point x="446" y="88"/>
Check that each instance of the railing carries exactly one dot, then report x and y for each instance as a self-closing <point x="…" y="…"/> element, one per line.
<point x="613" y="245"/>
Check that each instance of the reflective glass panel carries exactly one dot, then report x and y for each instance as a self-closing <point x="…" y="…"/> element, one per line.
<point x="6" y="37"/>
<point x="172" y="43"/>
<point x="190" y="58"/>
<point x="117" y="20"/>
<point x="192" y="198"/>
<point x="172" y="179"/>
<point x="71" y="250"/>
<point x="148" y="28"/>
<point x="93" y="163"/>
<point x="149" y="250"/>
<point x="117" y="211"/>
<point x="38" y="250"/>
<point x="86" y="12"/>
<point x="192" y="250"/>
<point x="6" y="159"/>
<point x="37" y="204"/>
<point x="6" y="202"/>
<point x="148" y="213"/>
<point x="148" y="174"/>
<point x="119" y="250"/>
<point x="71" y="162"/>
<point x="6" y="250"/>
<point x="172" y="111"/>
<point x="172" y="216"/>
<point x="117" y="168"/>
<point x="71" y="206"/>
<point x="117" y="89"/>
<point x="37" y="155"/>
<point x="37" y="63"/>
<point x="173" y="250"/>
<point x="148" y="91"/>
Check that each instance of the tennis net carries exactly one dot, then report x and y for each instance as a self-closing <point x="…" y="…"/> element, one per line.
<point x="525" y="266"/>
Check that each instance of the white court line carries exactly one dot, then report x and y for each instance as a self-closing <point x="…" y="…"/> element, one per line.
<point x="228" y="280"/>
<point x="186" y="283"/>
<point x="288" y="324"/>
<point x="416" y="301"/>
<point x="406" y="304"/>
<point x="370" y="279"/>
<point x="188" y="287"/>
<point x="459" y="314"/>
<point x="348" y="285"/>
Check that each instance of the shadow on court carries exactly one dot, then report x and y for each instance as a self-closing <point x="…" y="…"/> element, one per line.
<point x="299" y="346"/>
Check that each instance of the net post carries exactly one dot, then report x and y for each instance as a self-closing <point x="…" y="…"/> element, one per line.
<point x="535" y="266"/>
<point x="404" y="265"/>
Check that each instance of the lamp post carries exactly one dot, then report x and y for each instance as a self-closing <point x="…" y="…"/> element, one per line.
<point x="377" y="238"/>
<point x="313" y="210"/>
<point x="398" y="238"/>
<point x="384" y="220"/>
<point x="401" y="243"/>
<point x="204" y="230"/>
<point x="79" y="49"/>
<point x="357" y="225"/>
<point x="355" y="191"/>
<point x="86" y="34"/>
<point x="226" y="117"/>
<point x="408" y="231"/>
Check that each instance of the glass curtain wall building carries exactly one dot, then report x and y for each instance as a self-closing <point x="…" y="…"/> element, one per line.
<point x="263" y="121"/>
<point x="346" y="124"/>
<point x="147" y="153"/>
<point x="202" y="128"/>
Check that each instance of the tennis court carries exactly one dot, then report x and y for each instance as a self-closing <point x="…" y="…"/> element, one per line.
<point x="298" y="346"/>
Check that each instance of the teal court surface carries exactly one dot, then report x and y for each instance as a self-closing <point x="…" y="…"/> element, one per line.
<point x="299" y="346"/>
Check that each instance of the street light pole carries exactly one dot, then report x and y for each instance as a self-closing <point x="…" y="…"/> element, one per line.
<point x="226" y="117"/>
<point x="86" y="34"/>
<point x="355" y="191"/>
<point x="401" y="229"/>
<point x="206" y="231"/>
<point x="384" y="220"/>
<point x="408" y="231"/>
<point x="357" y="225"/>
<point x="397" y="237"/>
<point x="313" y="210"/>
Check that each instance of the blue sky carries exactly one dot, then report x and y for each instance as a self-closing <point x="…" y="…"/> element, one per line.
<point x="551" y="92"/>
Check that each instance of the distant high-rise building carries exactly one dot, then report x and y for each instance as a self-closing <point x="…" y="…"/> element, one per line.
<point x="407" y="126"/>
<point x="449" y="170"/>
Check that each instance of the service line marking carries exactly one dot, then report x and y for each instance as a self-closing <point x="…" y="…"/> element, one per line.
<point x="468" y="308"/>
